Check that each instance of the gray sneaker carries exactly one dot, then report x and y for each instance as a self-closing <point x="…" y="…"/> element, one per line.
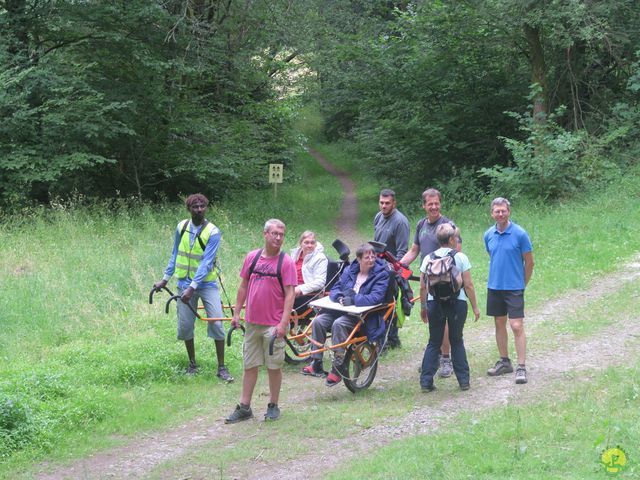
<point x="240" y="414"/>
<point x="224" y="375"/>
<point x="500" y="368"/>
<point x="273" y="413"/>
<point x="521" y="375"/>
<point x="446" y="367"/>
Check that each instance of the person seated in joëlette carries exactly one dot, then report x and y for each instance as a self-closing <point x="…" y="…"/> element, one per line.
<point x="311" y="268"/>
<point x="363" y="283"/>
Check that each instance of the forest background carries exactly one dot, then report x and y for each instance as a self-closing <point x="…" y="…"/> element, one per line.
<point x="151" y="99"/>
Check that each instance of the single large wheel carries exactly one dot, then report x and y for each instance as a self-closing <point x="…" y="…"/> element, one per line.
<point x="301" y="345"/>
<point x="361" y="364"/>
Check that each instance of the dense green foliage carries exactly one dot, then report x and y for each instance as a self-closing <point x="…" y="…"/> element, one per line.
<point x="424" y="88"/>
<point x="154" y="99"/>
<point x="139" y="98"/>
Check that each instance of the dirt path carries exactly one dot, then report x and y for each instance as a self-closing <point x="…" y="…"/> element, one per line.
<point x="142" y="456"/>
<point x="348" y="218"/>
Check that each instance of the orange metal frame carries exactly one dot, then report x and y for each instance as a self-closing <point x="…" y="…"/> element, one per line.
<point x="305" y="336"/>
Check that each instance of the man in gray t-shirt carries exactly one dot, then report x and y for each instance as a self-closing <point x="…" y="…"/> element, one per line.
<point x="424" y="243"/>
<point x="391" y="228"/>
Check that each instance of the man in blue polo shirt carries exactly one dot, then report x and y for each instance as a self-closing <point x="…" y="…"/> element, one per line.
<point x="510" y="268"/>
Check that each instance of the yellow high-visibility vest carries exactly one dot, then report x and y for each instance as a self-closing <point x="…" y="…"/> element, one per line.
<point x="189" y="258"/>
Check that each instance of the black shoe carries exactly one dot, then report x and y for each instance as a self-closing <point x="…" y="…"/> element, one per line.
<point x="464" y="386"/>
<point x="192" y="369"/>
<point x="314" y="369"/>
<point x="224" y="375"/>
<point x="273" y="413"/>
<point x="239" y="414"/>
<point x="428" y="388"/>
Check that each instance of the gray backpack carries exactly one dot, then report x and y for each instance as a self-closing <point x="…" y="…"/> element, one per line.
<point x="445" y="278"/>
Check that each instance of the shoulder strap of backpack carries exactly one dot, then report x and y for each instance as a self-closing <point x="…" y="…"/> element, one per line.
<point x="254" y="262"/>
<point x="278" y="273"/>
<point x="185" y="224"/>
<point x="200" y="241"/>
<point x="202" y="244"/>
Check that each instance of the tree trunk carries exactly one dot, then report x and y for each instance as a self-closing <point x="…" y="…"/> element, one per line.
<point x="538" y="72"/>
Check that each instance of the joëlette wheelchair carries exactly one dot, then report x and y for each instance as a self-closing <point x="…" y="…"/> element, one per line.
<point x="301" y="316"/>
<point x="361" y="356"/>
<point x="360" y="362"/>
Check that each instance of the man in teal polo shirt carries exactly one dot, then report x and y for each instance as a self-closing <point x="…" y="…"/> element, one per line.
<point x="510" y="268"/>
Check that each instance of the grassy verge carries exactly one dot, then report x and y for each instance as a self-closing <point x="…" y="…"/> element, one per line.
<point x="550" y="439"/>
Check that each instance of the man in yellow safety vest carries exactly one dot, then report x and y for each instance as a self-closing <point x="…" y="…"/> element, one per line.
<point x="192" y="261"/>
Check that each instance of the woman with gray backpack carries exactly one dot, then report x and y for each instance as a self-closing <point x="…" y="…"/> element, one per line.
<point x="445" y="286"/>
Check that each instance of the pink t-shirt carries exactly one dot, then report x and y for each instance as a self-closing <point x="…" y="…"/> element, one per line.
<point x="265" y="299"/>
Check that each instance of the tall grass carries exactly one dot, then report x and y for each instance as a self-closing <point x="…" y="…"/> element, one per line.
<point x="83" y="353"/>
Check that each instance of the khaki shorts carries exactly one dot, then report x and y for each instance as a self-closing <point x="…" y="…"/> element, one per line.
<point x="255" y="350"/>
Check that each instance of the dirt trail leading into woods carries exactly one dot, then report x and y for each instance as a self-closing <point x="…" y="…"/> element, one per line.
<point x="347" y="221"/>
<point x="152" y="452"/>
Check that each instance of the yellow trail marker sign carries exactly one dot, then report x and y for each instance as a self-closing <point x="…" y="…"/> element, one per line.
<point x="275" y="173"/>
<point x="275" y="176"/>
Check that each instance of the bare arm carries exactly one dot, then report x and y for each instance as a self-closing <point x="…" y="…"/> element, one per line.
<point x="423" y="298"/>
<point x="411" y="255"/>
<point x="528" y="266"/>
<point x="240" y="299"/>
<point x="289" y="297"/>
<point x="470" y="291"/>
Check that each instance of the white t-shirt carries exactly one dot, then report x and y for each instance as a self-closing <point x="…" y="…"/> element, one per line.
<point x="462" y="262"/>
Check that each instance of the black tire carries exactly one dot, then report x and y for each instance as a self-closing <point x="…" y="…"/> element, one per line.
<point x="361" y="364"/>
<point x="304" y="345"/>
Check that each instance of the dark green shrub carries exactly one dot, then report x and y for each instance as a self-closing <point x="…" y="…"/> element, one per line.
<point x="17" y="425"/>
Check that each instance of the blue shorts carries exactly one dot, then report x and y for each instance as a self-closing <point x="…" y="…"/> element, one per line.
<point x="212" y="305"/>
<point x="501" y="303"/>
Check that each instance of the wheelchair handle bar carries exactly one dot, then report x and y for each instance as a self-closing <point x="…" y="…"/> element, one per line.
<point x="156" y="290"/>
<point x="273" y="341"/>
<point x="176" y="298"/>
<point x="231" y="330"/>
